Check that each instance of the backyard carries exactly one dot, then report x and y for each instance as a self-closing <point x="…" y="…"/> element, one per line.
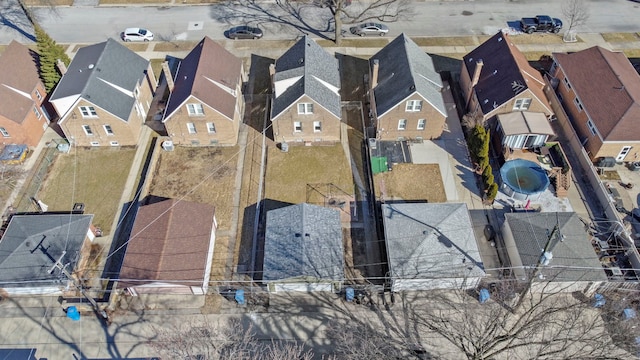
<point x="199" y="174"/>
<point x="94" y="177"/>
<point x="289" y="174"/>
<point x="411" y="182"/>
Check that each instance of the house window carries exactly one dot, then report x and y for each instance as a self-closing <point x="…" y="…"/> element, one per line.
<point x="578" y="104"/>
<point x="402" y="124"/>
<point x="297" y="126"/>
<point x="305" y="108"/>
<point x="592" y="128"/>
<point x="422" y="123"/>
<point x="95" y="143"/>
<point x="38" y="95"/>
<point x="4" y="132"/>
<point x="566" y="83"/>
<point x="87" y="130"/>
<point x="108" y="129"/>
<point x="35" y="111"/>
<point x="136" y="92"/>
<point x="191" y="127"/>
<point x="317" y="126"/>
<point x="211" y="128"/>
<point x="114" y="143"/>
<point x="522" y="104"/>
<point x="88" y="111"/>
<point x="195" y="109"/>
<point x="414" y="105"/>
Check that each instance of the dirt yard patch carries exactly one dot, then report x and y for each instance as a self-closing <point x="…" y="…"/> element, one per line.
<point x="610" y="175"/>
<point x="289" y="174"/>
<point x="411" y="182"/>
<point x="95" y="177"/>
<point x="200" y="174"/>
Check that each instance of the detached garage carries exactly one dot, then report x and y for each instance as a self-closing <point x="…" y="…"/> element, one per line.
<point x="303" y="249"/>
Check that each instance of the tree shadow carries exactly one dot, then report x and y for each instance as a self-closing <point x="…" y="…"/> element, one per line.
<point x="296" y="18"/>
<point x="12" y="16"/>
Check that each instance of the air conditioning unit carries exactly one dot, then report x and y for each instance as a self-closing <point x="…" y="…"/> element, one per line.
<point x="167" y="145"/>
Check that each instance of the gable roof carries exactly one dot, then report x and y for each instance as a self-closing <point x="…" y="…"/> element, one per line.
<point x="211" y="74"/>
<point x="306" y="69"/>
<point x="430" y="241"/>
<point x="104" y="74"/>
<point x="505" y="73"/>
<point x="405" y="69"/>
<point x="18" y="78"/>
<point x="303" y="240"/>
<point x="161" y="248"/>
<point x="525" y="122"/>
<point x="530" y="232"/>
<point x="613" y="101"/>
<point x="32" y="244"/>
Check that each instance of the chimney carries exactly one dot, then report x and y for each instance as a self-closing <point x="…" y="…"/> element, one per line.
<point x="374" y="73"/>
<point x="476" y="73"/>
<point x="168" y="76"/>
<point x="272" y="69"/>
<point x="61" y="66"/>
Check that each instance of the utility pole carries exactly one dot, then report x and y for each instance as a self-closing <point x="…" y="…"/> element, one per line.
<point x="543" y="260"/>
<point x="58" y="265"/>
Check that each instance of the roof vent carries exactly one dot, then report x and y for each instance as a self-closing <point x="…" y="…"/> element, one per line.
<point x="90" y="66"/>
<point x="500" y="39"/>
<point x="412" y="87"/>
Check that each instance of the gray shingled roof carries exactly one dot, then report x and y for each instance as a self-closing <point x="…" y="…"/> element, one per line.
<point x="98" y="71"/>
<point x="303" y="241"/>
<point x="32" y="244"/>
<point x="430" y="241"/>
<point x="530" y="233"/>
<point x="404" y="69"/>
<point x="313" y="65"/>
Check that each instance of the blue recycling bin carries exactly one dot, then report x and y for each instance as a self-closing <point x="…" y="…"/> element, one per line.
<point x="240" y="297"/>
<point x="350" y="294"/>
<point x="73" y="313"/>
<point x="484" y="296"/>
<point x="599" y="300"/>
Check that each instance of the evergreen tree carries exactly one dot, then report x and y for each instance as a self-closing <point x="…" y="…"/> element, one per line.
<point x="492" y="191"/>
<point x="49" y="53"/>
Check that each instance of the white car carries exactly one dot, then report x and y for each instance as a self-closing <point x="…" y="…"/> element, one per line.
<point x="137" y="34"/>
<point x="370" y="28"/>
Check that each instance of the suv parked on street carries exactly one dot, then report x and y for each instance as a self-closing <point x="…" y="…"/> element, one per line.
<point x="540" y="23"/>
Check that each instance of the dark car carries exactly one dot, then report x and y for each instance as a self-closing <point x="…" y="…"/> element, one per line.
<point x="542" y="23"/>
<point x="245" y="32"/>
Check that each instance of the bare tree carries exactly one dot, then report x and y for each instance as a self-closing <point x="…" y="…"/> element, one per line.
<point x="203" y="340"/>
<point x="550" y="325"/>
<point x="308" y="16"/>
<point x="576" y="13"/>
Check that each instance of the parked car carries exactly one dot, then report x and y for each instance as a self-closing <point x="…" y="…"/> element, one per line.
<point x="370" y="29"/>
<point x="245" y="32"/>
<point x="540" y="23"/>
<point x="137" y="34"/>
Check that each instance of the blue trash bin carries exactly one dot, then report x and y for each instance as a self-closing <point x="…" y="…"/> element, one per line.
<point x="73" y="313"/>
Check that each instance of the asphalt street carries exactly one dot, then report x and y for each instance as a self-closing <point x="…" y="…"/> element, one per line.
<point x="89" y="24"/>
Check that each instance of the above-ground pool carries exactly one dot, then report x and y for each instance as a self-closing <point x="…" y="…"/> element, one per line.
<point x="523" y="178"/>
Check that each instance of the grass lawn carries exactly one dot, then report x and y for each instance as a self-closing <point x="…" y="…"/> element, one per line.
<point x="620" y="37"/>
<point x="288" y="174"/>
<point x="95" y="177"/>
<point x="542" y="38"/>
<point x="199" y="174"/>
<point x="175" y="46"/>
<point x="411" y="182"/>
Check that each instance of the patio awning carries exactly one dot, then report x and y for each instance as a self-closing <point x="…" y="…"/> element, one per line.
<point x="525" y="122"/>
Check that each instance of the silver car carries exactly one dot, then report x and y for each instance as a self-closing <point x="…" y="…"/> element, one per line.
<point x="370" y="28"/>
